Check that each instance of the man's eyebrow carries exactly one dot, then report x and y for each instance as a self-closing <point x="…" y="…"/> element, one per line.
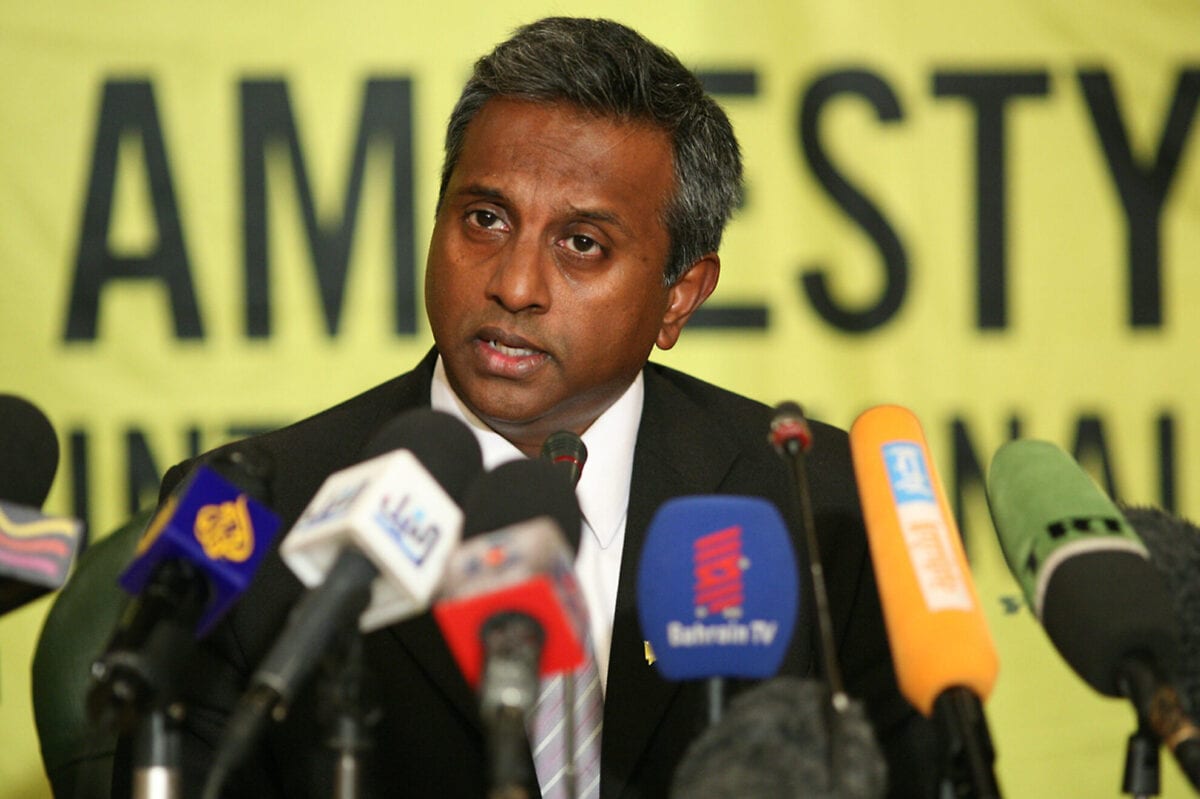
<point x="480" y="190"/>
<point x="599" y="215"/>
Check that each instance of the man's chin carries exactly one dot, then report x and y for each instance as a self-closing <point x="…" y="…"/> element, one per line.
<point x="497" y="412"/>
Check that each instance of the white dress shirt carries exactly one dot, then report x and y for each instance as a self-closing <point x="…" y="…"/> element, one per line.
<point x="603" y="493"/>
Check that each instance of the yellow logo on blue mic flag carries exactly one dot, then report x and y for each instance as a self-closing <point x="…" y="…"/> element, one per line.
<point x="224" y="530"/>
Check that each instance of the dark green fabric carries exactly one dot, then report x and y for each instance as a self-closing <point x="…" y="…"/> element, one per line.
<point x="77" y="759"/>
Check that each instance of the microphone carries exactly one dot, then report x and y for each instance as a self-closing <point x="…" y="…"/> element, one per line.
<point x="792" y="438"/>
<point x="568" y="450"/>
<point x="28" y="452"/>
<point x="520" y="490"/>
<point x="944" y="657"/>
<point x="36" y="550"/>
<point x="773" y="743"/>
<point x="510" y="607"/>
<point x="1078" y="562"/>
<point x="1174" y="547"/>
<point x="195" y="559"/>
<point x="371" y="546"/>
<point x="717" y="590"/>
<point x="397" y="512"/>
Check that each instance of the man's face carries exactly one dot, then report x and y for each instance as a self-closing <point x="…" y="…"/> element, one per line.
<point x="544" y="285"/>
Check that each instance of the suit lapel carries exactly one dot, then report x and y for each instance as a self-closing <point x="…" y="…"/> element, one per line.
<point x="680" y="451"/>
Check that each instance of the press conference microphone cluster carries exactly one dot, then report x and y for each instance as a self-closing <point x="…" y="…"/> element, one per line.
<point x="944" y="657"/>
<point x="510" y="608"/>
<point x="371" y="546"/>
<point x="1079" y="562"/>
<point x="36" y="550"/>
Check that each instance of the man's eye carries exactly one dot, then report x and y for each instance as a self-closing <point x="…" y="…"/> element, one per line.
<point x="584" y="245"/>
<point x="484" y="219"/>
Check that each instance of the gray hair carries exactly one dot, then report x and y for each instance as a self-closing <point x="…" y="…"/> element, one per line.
<point x="606" y="68"/>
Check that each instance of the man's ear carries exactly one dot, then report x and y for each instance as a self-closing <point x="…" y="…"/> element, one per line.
<point x="687" y="294"/>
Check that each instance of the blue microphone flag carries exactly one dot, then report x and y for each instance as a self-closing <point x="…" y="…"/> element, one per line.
<point x="213" y="525"/>
<point x="717" y="588"/>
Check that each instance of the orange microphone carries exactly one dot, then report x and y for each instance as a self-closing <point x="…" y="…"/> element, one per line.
<point x="943" y="653"/>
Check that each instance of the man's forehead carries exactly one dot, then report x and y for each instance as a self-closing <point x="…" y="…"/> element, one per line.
<point x="598" y="157"/>
<point x="516" y="109"/>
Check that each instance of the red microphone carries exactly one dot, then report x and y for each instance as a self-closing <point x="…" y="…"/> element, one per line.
<point x="510" y="608"/>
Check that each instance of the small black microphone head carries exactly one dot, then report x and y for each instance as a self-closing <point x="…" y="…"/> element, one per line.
<point x="1174" y="547"/>
<point x="28" y="452"/>
<point x="790" y="433"/>
<point x="444" y="446"/>
<point x="773" y="743"/>
<point x="568" y="451"/>
<point x="519" y="490"/>
<point x="246" y="466"/>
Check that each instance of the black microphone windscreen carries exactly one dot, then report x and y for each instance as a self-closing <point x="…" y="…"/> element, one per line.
<point x="246" y="466"/>
<point x="519" y="490"/>
<point x="1101" y="608"/>
<point x="28" y="452"/>
<point x="773" y="743"/>
<point x="444" y="446"/>
<point x="1174" y="547"/>
<point x="789" y="431"/>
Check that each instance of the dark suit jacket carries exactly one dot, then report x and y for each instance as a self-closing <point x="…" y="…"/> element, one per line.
<point x="694" y="438"/>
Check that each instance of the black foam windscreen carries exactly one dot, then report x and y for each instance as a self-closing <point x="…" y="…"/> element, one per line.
<point x="519" y="490"/>
<point x="444" y="446"/>
<point x="773" y="743"/>
<point x="1174" y="546"/>
<point x="1103" y="607"/>
<point x="28" y="452"/>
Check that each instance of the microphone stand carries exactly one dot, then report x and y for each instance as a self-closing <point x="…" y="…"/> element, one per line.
<point x="716" y="700"/>
<point x="792" y="437"/>
<point x="512" y="644"/>
<point x="134" y="684"/>
<point x="352" y="716"/>
<point x="966" y="743"/>
<point x="156" y="745"/>
<point x="1141" y="764"/>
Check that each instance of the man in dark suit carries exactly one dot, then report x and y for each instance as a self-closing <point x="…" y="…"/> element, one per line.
<point x="586" y="186"/>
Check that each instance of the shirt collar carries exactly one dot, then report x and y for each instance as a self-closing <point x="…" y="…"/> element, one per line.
<point x="603" y="489"/>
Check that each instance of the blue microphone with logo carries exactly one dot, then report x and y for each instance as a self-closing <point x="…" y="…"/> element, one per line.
<point x="717" y="590"/>
<point x="197" y="556"/>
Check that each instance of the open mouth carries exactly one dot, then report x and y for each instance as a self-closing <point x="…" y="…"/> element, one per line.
<point x="512" y="352"/>
<point x="507" y="355"/>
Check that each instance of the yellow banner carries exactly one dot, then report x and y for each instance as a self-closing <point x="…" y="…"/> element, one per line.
<point x="213" y="220"/>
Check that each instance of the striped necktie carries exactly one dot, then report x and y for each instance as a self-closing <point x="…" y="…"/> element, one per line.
<point x="566" y="733"/>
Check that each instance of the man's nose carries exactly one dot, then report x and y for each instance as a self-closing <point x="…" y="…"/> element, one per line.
<point x="519" y="280"/>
